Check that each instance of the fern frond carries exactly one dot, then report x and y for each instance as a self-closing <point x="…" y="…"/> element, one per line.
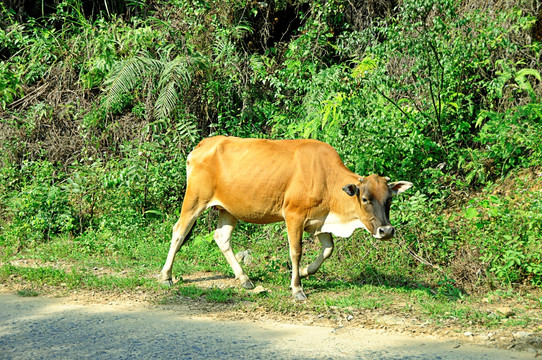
<point x="240" y="30"/>
<point x="176" y="71"/>
<point x="524" y="83"/>
<point x="187" y="130"/>
<point x="172" y="79"/>
<point x="126" y="74"/>
<point x="167" y="100"/>
<point x="224" y="50"/>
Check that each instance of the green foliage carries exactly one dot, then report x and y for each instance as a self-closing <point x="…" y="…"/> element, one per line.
<point x="411" y="103"/>
<point x="507" y="229"/>
<point x="99" y="113"/>
<point x="494" y="239"/>
<point x="511" y="140"/>
<point x="37" y="207"/>
<point x="146" y="184"/>
<point x="10" y="85"/>
<point x="111" y="40"/>
<point x="173" y="78"/>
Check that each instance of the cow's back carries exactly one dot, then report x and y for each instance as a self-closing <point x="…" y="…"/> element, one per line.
<point x="253" y="178"/>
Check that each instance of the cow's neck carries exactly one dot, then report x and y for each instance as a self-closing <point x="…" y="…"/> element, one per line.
<point x="342" y="219"/>
<point x="340" y="226"/>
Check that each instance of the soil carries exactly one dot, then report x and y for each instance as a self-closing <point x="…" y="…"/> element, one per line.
<point x="136" y="315"/>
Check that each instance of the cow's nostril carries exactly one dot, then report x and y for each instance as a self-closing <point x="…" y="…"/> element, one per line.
<point x="386" y="232"/>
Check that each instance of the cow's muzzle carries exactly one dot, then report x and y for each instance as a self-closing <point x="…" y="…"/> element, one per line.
<point x="385" y="232"/>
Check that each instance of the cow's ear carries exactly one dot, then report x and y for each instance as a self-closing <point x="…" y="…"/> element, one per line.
<point x="351" y="189"/>
<point x="399" y="186"/>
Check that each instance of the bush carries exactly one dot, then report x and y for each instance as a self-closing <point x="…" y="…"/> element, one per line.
<point x="506" y="225"/>
<point x="37" y="208"/>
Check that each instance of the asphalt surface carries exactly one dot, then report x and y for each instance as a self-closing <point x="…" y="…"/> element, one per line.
<point x="45" y="328"/>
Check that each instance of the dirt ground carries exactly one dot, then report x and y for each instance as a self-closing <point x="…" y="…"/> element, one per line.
<point x="371" y="334"/>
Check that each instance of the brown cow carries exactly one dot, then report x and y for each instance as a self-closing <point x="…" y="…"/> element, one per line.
<point x="302" y="182"/>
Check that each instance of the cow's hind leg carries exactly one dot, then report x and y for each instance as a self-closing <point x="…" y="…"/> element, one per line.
<point x="327" y="249"/>
<point x="222" y="236"/>
<point x="181" y="232"/>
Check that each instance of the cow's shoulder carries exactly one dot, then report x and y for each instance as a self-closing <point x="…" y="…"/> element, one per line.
<point x="210" y="143"/>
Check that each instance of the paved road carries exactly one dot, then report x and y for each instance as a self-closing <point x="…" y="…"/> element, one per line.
<point x="44" y="328"/>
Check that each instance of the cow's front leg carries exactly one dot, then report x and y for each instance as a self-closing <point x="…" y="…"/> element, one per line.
<point x="327" y="249"/>
<point x="295" y="233"/>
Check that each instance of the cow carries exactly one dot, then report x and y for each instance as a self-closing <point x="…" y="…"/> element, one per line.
<point x="302" y="182"/>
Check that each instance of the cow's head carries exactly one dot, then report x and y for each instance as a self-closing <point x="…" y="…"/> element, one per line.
<point x="374" y="193"/>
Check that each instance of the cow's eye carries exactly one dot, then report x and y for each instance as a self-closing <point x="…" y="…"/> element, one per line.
<point x="365" y="200"/>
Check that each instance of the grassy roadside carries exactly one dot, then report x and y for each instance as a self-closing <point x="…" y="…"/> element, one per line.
<point x="59" y="267"/>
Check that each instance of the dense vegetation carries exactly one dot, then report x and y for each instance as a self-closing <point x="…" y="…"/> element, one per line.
<point x="101" y="103"/>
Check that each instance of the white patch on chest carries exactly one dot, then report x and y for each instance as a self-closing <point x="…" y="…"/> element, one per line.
<point x="333" y="224"/>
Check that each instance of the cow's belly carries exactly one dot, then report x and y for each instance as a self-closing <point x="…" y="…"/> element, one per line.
<point x="262" y="214"/>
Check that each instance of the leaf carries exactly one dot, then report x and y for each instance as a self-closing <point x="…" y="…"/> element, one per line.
<point x="126" y="75"/>
<point x="522" y="74"/>
<point x="166" y="102"/>
<point x="484" y="114"/>
<point x="187" y="130"/>
<point x="204" y="238"/>
<point x="524" y="84"/>
<point x="154" y="213"/>
<point x="471" y="213"/>
<point x="364" y="67"/>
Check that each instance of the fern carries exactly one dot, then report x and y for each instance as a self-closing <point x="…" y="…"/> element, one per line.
<point x="126" y="75"/>
<point x="167" y="100"/>
<point x="172" y="78"/>
<point x="175" y="75"/>
<point x="524" y="84"/>
<point x="187" y="130"/>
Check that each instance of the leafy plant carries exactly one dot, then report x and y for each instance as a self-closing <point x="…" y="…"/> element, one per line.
<point x="40" y="210"/>
<point x="173" y="77"/>
<point x="507" y="229"/>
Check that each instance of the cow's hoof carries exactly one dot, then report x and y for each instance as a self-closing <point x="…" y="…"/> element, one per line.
<point x="167" y="283"/>
<point x="304" y="272"/>
<point x="300" y="296"/>
<point x="248" y="285"/>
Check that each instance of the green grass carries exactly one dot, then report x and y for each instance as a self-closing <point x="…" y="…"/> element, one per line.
<point x="73" y="279"/>
<point x="214" y="294"/>
<point x="342" y="298"/>
<point x="343" y="285"/>
<point x="27" y="293"/>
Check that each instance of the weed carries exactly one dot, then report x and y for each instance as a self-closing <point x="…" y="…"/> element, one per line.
<point x="27" y="293"/>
